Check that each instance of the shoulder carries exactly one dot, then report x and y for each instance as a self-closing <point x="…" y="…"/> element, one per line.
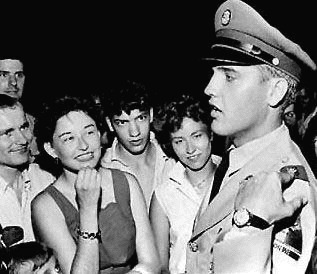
<point x="39" y="175"/>
<point x="43" y="200"/>
<point x="39" y="178"/>
<point x="170" y="181"/>
<point x="111" y="175"/>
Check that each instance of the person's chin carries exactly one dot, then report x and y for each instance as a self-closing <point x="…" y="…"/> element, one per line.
<point x="219" y="128"/>
<point x="136" y="150"/>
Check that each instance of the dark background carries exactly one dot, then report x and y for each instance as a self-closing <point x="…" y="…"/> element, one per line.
<point x="85" y="47"/>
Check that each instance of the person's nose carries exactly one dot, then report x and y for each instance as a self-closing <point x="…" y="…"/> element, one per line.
<point x="83" y="144"/>
<point x="190" y="148"/>
<point x="213" y="87"/>
<point x="12" y="80"/>
<point x="134" y="129"/>
<point x="21" y="137"/>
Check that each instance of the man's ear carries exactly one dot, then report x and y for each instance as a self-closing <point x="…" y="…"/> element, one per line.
<point x="277" y="91"/>
<point x="151" y="115"/>
<point x="109" y="123"/>
<point x="49" y="150"/>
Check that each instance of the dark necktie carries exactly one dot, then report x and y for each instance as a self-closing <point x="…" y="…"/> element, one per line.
<point x="219" y="174"/>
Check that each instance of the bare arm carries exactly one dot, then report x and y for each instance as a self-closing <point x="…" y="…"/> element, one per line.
<point x="148" y="257"/>
<point x="50" y="226"/>
<point x="88" y="190"/>
<point x="161" y="227"/>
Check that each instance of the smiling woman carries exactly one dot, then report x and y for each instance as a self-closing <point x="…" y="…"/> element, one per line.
<point x="93" y="218"/>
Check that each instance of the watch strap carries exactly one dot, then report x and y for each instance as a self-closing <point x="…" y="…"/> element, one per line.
<point x="258" y="222"/>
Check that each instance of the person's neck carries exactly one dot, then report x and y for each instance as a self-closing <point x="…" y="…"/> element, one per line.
<point x="66" y="182"/>
<point x="144" y="158"/>
<point x="11" y="175"/>
<point x="244" y="137"/>
<point x="197" y="177"/>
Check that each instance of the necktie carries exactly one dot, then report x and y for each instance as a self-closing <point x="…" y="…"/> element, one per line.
<point x="219" y="174"/>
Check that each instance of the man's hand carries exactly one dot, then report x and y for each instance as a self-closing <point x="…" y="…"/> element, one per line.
<point x="262" y="195"/>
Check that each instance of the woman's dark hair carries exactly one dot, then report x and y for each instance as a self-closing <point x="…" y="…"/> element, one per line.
<point x="51" y="111"/>
<point x="308" y="144"/>
<point x="173" y="113"/>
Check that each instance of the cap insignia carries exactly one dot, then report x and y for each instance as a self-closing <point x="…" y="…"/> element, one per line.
<point x="226" y="17"/>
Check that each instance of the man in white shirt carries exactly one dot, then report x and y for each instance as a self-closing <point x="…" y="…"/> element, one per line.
<point x="135" y="148"/>
<point x="20" y="181"/>
<point x="12" y="80"/>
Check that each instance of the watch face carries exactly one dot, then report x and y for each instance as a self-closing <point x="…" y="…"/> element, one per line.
<point x="241" y="217"/>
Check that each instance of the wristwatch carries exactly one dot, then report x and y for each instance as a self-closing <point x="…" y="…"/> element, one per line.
<point x="243" y="217"/>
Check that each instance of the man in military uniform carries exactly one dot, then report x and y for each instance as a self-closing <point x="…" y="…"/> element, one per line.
<point x="260" y="220"/>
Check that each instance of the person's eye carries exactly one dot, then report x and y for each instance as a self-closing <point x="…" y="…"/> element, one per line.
<point x="68" y="139"/>
<point x="120" y="122"/>
<point x="178" y="142"/>
<point x="20" y="75"/>
<point x="6" y="134"/>
<point x="25" y="126"/>
<point x="198" y="135"/>
<point x="230" y="77"/>
<point x="142" y="117"/>
<point x="3" y="74"/>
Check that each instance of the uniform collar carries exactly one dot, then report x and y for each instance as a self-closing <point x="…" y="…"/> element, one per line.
<point x="241" y="155"/>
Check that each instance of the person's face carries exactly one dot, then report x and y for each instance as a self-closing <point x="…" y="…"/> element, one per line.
<point x="76" y="141"/>
<point x="192" y="144"/>
<point x="133" y="131"/>
<point x="238" y="100"/>
<point x="12" y="77"/>
<point x="289" y="116"/>
<point x="15" y="137"/>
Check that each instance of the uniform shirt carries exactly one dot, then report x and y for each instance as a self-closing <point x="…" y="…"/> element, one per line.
<point x="180" y="203"/>
<point x="12" y="213"/>
<point x="112" y="160"/>
<point x="233" y="240"/>
<point x="240" y="156"/>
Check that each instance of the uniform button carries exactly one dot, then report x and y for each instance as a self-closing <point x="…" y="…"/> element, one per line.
<point x="193" y="246"/>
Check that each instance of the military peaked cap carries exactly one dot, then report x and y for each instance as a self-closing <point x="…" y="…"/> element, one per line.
<point x="244" y="37"/>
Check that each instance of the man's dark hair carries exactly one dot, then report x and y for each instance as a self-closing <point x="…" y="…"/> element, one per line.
<point x="125" y="97"/>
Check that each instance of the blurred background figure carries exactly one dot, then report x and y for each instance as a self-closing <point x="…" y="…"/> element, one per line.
<point x="290" y="117"/>
<point x="104" y="129"/>
<point x="309" y="144"/>
<point x="31" y="258"/>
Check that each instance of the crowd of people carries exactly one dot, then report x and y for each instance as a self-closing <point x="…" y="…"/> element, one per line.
<point x="217" y="181"/>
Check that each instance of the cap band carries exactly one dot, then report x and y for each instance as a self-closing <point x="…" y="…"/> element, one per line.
<point x="258" y="49"/>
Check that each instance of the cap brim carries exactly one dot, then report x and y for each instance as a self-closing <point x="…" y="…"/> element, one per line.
<point x="230" y="56"/>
